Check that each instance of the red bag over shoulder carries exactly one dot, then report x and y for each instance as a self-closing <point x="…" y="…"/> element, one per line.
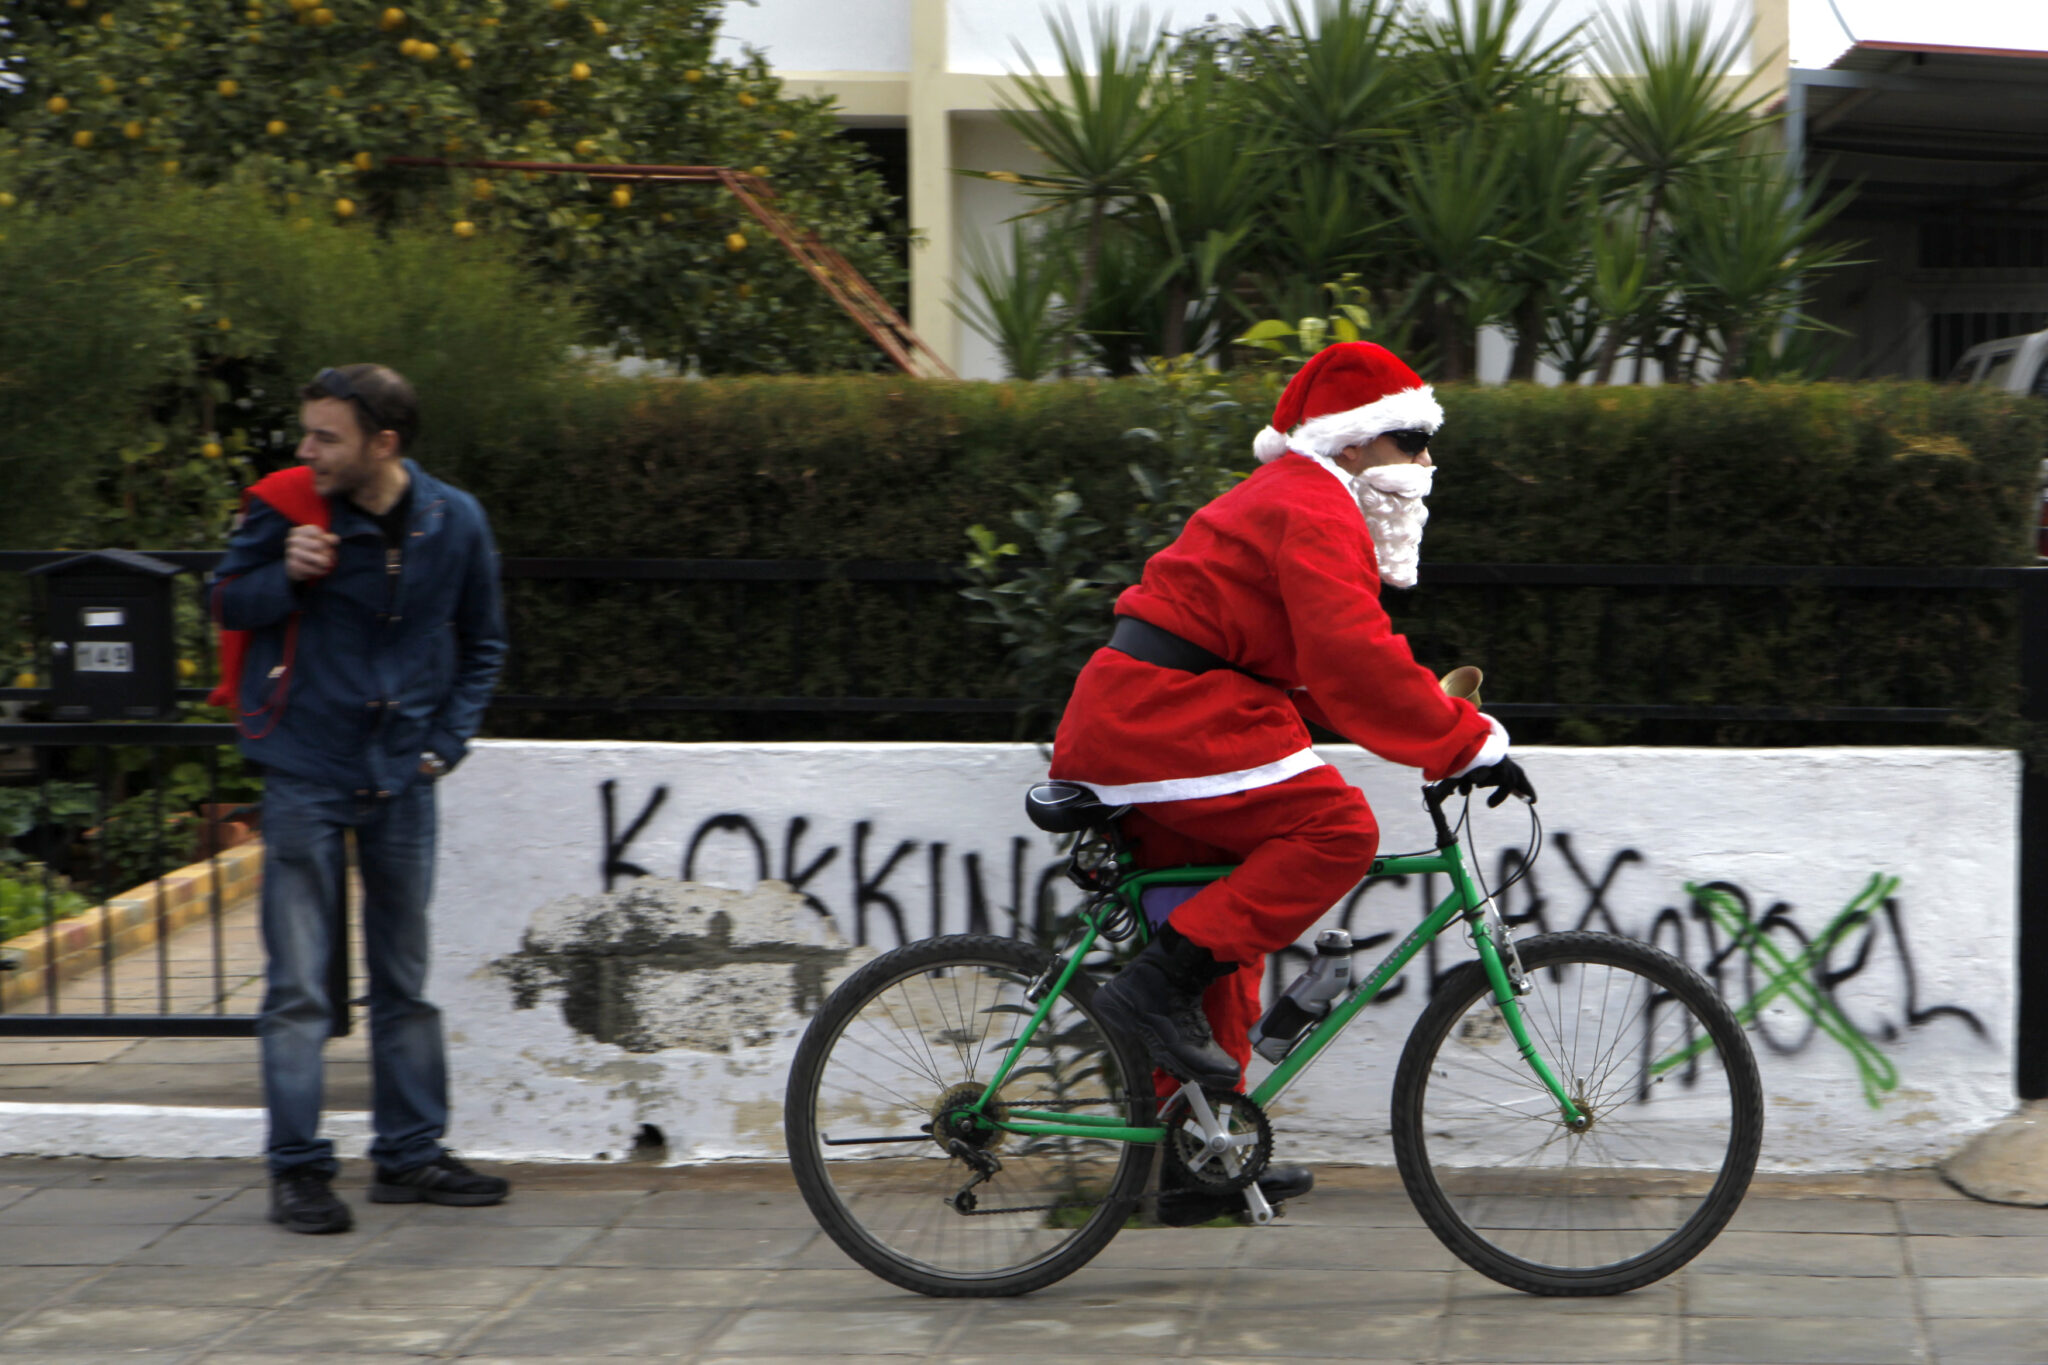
<point x="292" y="495"/>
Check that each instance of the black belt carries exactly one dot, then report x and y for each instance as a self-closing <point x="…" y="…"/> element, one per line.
<point x="1149" y="644"/>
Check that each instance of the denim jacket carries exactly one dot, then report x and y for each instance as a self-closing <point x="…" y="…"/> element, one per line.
<point x="394" y="653"/>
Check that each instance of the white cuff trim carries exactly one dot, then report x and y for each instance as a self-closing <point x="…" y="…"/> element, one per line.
<point x="1493" y="751"/>
<point x="1195" y="788"/>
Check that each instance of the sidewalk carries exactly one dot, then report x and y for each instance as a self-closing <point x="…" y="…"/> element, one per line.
<point x="172" y="1262"/>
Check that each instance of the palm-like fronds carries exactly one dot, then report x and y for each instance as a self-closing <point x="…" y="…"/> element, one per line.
<point x="1014" y="298"/>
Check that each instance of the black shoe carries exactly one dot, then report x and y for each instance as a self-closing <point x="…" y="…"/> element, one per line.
<point x="1178" y="1208"/>
<point x="444" y="1180"/>
<point x="1158" y="998"/>
<point x="302" y="1201"/>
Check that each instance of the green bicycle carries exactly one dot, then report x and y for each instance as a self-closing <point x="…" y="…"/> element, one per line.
<point x="1573" y="1114"/>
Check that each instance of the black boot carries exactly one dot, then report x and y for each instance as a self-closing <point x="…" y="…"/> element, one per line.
<point x="1158" y="997"/>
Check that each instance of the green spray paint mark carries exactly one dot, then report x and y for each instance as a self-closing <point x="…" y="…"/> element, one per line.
<point x="1793" y="978"/>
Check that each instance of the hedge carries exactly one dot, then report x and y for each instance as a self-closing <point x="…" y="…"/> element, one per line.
<point x="895" y="469"/>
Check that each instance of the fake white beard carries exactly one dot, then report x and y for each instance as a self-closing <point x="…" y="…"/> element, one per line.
<point x="1391" y="498"/>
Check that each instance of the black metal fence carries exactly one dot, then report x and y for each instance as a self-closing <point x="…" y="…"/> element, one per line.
<point x="827" y="660"/>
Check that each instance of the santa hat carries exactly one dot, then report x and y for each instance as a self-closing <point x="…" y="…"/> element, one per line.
<point x="1346" y="395"/>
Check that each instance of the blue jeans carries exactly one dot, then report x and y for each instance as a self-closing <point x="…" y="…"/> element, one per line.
<point x="305" y="826"/>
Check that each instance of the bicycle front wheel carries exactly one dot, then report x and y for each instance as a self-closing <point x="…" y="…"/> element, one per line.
<point x="910" y="1038"/>
<point x="1653" y="1058"/>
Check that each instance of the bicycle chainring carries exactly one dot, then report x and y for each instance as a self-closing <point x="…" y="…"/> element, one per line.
<point x="1189" y="1164"/>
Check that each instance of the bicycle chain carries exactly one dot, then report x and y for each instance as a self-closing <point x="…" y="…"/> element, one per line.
<point x="978" y="1212"/>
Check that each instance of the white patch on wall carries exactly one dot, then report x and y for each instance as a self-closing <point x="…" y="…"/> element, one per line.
<point x="881" y="843"/>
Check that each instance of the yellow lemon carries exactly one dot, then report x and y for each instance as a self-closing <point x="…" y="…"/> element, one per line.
<point x="621" y="197"/>
<point x="465" y="228"/>
<point x="344" y="208"/>
<point x="323" y="16"/>
<point x="464" y="63"/>
<point x="187" y="669"/>
<point x="107" y="22"/>
<point x="211" y="450"/>
<point x="277" y="127"/>
<point x="693" y="75"/>
<point x="600" y="27"/>
<point x="132" y="129"/>
<point x="786" y="134"/>
<point x="24" y="680"/>
<point x="426" y="52"/>
<point x="362" y="161"/>
<point x="108" y="85"/>
<point x="170" y="168"/>
<point x="745" y="291"/>
<point x="7" y="201"/>
<point x="580" y="71"/>
<point x="586" y="147"/>
<point x="224" y="324"/>
<point x="409" y="47"/>
<point x="757" y="170"/>
<point x="482" y="188"/>
<point x="668" y="217"/>
<point x="82" y="138"/>
<point x="558" y="5"/>
<point x="747" y="101"/>
<point x="229" y="89"/>
<point x="735" y="241"/>
<point x="334" y="92"/>
<point x="56" y="104"/>
<point x="391" y="18"/>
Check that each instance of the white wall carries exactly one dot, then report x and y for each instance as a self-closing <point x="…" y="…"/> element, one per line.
<point x="895" y="841"/>
<point x="820" y="35"/>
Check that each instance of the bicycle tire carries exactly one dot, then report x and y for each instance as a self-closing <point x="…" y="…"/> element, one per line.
<point x="925" y="1022"/>
<point x="1516" y="1194"/>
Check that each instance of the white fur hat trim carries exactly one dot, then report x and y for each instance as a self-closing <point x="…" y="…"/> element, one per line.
<point x="1408" y="410"/>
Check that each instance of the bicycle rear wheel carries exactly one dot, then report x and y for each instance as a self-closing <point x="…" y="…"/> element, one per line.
<point x="917" y="1032"/>
<point x="1647" y="1051"/>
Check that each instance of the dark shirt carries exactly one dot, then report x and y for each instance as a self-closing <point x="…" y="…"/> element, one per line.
<point x="392" y="522"/>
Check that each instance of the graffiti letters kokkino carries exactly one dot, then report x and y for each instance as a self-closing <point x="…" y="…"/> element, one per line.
<point x="1786" y="969"/>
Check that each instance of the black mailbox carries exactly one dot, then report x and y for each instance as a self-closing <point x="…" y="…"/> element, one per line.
<point x="113" y="652"/>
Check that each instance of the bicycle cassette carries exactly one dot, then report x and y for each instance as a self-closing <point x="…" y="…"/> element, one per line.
<point x="1217" y="1141"/>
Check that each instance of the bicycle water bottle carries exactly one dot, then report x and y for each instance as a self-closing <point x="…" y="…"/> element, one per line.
<point x="1307" y="998"/>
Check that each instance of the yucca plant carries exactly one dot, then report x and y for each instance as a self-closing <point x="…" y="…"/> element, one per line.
<point x="1016" y="293"/>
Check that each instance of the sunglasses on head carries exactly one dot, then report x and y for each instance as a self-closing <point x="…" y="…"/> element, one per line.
<point x="1410" y="442"/>
<point x="335" y="383"/>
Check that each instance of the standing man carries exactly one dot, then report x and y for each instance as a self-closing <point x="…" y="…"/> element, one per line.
<point x="365" y="594"/>
<point x="1263" y="615"/>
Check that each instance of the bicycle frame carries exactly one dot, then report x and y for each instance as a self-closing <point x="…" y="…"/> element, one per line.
<point x="1464" y="902"/>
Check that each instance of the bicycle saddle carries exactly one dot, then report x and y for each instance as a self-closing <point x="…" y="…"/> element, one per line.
<point x="1067" y="808"/>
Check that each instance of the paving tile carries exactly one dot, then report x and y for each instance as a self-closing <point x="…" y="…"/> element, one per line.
<point x="1795" y="1296"/>
<point x="2001" y="1256"/>
<point x="175" y="1051"/>
<point x="1298" y="1334"/>
<point x="186" y="1286"/>
<point x="706" y="1248"/>
<point x="1983" y="1296"/>
<point x="1800" y="1253"/>
<point x="180" y="1356"/>
<point x="1815" y="1215"/>
<point x="44" y="1051"/>
<point x="25" y="1287"/>
<point x="1352" y="1209"/>
<point x="232" y="1357"/>
<point x="477" y="1246"/>
<point x="1991" y="1341"/>
<point x="137" y="1173"/>
<point x="1379" y="1291"/>
<point x="1335" y="1248"/>
<point x="100" y="1205"/>
<point x="588" y="1360"/>
<point x="1799" y="1341"/>
<point x="912" y="1330"/>
<point x="635" y="1287"/>
<point x="416" y="1329"/>
<point x="237" y="1246"/>
<point x="540" y="1208"/>
<point x="395" y="1286"/>
<point x="107" y="1328"/>
<point x="1499" y="1340"/>
<point x="1946" y="1218"/>
<point x="73" y="1246"/>
<point x="718" y="1209"/>
<point x="36" y="1084"/>
<point x="550" y="1333"/>
<point x="1184" y="1249"/>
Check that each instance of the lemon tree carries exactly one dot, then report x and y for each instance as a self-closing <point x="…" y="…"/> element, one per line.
<point x="314" y="99"/>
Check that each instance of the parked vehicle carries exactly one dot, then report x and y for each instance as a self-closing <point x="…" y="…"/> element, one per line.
<point x="2017" y="365"/>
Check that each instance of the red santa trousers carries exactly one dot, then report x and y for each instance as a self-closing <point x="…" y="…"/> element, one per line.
<point x="1301" y="845"/>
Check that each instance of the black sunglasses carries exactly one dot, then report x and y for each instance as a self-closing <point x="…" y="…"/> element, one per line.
<point x="1411" y="442"/>
<point x="334" y="382"/>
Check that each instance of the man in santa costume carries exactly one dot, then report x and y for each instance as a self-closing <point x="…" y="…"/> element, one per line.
<point x="1265" y="615"/>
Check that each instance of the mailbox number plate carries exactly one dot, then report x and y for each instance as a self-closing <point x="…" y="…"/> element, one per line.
<point x="104" y="656"/>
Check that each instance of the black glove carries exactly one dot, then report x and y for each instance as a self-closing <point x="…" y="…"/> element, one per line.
<point x="1505" y="777"/>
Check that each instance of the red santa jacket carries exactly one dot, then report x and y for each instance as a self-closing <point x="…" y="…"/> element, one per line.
<point x="1278" y="577"/>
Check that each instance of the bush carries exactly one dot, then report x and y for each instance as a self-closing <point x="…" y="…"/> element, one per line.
<point x="896" y="469"/>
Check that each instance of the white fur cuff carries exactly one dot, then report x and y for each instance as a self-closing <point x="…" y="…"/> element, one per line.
<point x="1493" y="751"/>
